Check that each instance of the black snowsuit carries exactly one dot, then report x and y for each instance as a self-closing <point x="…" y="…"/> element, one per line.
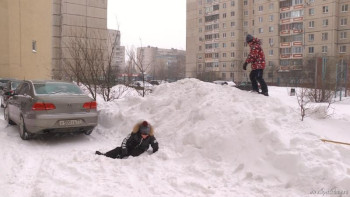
<point x="133" y="145"/>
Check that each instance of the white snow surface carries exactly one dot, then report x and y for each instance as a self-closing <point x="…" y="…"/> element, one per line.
<point x="213" y="141"/>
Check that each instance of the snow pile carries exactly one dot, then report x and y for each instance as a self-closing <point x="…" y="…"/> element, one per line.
<point x="214" y="141"/>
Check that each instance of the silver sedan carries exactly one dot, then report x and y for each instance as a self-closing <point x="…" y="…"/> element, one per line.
<point x="40" y="107"/>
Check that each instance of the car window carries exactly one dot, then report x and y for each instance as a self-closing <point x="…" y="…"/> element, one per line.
<point x="14" y="84"/>
<point x="56" y="88"/>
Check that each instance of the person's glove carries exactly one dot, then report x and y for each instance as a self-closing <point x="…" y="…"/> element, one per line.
<point x="124" y="152"/>
<point x="245" y="66"/>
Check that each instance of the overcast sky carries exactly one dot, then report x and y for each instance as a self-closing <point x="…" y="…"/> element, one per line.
<point x="158" y="23"/>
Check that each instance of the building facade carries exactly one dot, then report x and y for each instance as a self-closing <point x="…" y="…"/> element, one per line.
<point x="119" y="51"/>
<point x="291" y="31"/>
<point x="35" y="34"/>
<point x="163" y="63"/>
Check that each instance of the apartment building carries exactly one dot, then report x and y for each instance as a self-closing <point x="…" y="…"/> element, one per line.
<point x="163" y="63"/>
<point x="291" y="31"/>
<point x="34" y="34"/>
<point x="116" y="48"/>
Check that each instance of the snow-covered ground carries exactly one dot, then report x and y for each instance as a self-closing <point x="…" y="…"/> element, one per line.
<point x="214" y="141"/>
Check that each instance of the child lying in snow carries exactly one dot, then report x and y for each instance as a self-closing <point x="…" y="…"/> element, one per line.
<point x="135" y="143"/>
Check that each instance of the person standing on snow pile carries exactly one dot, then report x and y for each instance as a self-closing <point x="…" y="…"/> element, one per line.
<point x="257" y="59"/>
<point x="135" y="143"/>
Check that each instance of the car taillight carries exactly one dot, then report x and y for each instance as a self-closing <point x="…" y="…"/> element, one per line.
<point x="43" y="106"/>
<point x="90" y="105"/>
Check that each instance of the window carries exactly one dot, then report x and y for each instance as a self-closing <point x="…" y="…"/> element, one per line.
<point x="271" y="6"/>
<point x="343" y="21"/>
<point x="261" y="8"/>
<point x="56" y="87"/>
<point x="224" y="15"/>
<point x="232" y="44"/>
<point x="325" y="22"/>
<point x="271" y="41"/>
<point x="343" y="35"/>
<point x="224" y="5"/>
<point x="224" y="65"/>
<point x="216" y="55"/>
<point x="324" y="36"/>
<point x="223" y="75"/>
<point x="311" y="11"/>
<point x="224" y="25"/>
<point x="311" y="24"/>
<point x="233" y="54"/>
<point x="200" y="48"/>
<point x="232" y="65"/>
<point x="260" y="19"/>
<point x="344" y="8"/>
<point x="311" y="37"/>
<point x="342" y="49"/>
<point x="271" y="18"/>
<point x="232" y="13"/>
<point x="224" y="35"/>
<point x="271" y="52"/>
<point x="232" y="34"/>
<point x="311" y="49"/>
<point x="297" y="50"/>
<point x="325" y="9"/>
<point x="324" y="49"/>
<point x="245" y="23"/>
<point x="34" y="46"/>
<point x="261" y="30"/>
<point x="200" y="20"/>
<point x="232" y="3"/>
<point x="223" y="54"/>
<point x="223" y="45"/>
<point x="245" y="2"/>
<point x="246" y="13"/>
<point x="297" y="2"/>
<point x="271" y="29"/>
<point x="233" y="24"/>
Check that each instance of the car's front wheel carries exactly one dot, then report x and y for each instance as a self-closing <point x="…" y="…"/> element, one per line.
<point x="7" y="116"/>
<point x="22" y="129"/>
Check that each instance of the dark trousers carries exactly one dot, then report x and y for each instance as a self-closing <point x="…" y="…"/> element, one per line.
<point x="115" y="153"/>
<point x="255" y="77"/>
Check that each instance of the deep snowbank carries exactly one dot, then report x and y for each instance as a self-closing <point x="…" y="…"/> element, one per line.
<point x="251" y="141"/>
<point x="214" y="141"/>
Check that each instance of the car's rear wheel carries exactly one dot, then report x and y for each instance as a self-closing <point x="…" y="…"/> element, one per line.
<point x="7" y="116"/>
<point x="22" y="129"/>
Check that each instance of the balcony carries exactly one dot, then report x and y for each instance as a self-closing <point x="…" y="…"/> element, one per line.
<point x="285" y="44"/>
<point x="291" y="56"/>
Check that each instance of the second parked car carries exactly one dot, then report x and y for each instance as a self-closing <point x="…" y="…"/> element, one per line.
<point x="50" y="106"/>
<point x="10" y="86"/>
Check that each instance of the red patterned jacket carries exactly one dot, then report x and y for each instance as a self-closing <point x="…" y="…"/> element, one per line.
<point x="256" y="56"/>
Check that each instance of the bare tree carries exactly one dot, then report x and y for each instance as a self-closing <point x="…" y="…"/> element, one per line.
<point x="90" y="61"/>
<point x="303" y="101"/>
<point x="137" y="59"/>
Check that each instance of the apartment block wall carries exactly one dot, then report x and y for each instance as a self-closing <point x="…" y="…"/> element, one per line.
<point x="72" y="19"/>
<point x="153" y="56"/>
<point x="4" y="36"/>
<point x="286" y="42"/>
<point x="25" y="23"/>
